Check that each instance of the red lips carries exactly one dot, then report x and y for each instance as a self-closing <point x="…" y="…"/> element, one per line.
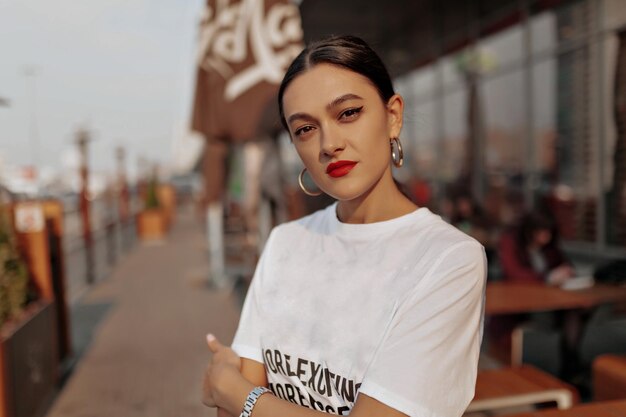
<point x="340" y="168"/>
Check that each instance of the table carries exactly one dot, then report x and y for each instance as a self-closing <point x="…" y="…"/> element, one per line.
<point x="520" y="385"/>
<point x="598" y="409"/>
<point x="505" y="298"/>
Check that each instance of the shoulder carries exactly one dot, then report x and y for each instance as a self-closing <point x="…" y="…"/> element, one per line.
<point x="452" y="251"/>
<point x="293" y="238"/>
<point x="445" y="239"/>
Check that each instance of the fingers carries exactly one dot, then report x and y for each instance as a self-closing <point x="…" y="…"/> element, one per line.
<point x="214" y="344"/>
<point x="207" y="394"/>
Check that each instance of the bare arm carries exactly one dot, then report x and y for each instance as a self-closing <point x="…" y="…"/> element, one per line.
<point x="252" y="371"/>
<point x="364" y="407"/>
<point x="229" y="387"/>
<point x="234" y="396"/>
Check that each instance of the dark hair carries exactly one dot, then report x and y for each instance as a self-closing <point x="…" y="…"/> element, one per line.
<point x="346" y="51"/>
<point x="534" y="221"/>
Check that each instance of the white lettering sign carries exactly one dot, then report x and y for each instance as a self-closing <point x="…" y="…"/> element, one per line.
<point x="29" y="218"/>
<point x="274" y="39"/>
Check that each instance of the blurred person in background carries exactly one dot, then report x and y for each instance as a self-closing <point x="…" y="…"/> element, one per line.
<point x="371" y="306"/>
<point x="530" y="252"/>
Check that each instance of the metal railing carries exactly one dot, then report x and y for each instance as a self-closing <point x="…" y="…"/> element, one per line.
<point x="111" y="239"/>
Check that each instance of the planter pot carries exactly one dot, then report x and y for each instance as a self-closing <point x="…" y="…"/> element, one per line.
<point x="167" y="199"/>
<point x="53" y="211"/>
<point x="151" y="225"/>
<point x="29" y="362"/>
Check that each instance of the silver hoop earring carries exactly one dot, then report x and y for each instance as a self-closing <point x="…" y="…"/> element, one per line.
<point x="303" y="188"/>
<point x="396" y="158"/>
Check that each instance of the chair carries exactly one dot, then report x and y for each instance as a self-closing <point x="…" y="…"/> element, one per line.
<point x="595" y="409"/>
<point x="609" y="377"/>
<point x="538" y="347"/>
<point x="520" y="385"/>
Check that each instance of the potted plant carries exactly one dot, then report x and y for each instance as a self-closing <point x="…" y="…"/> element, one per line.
<point x="28" y="355"/>
<point x="167" y="199"/>
<point x="13" y="272"/>
<point x="152" y="220"/>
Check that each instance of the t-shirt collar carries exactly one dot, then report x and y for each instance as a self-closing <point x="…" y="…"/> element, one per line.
<point x="376" y="228"/>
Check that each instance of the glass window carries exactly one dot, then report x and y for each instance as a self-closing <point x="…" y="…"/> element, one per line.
<point x="614" y="187"/>
<point x="573" y="20"/>
<point x="450" y="72"/>
<point x="502" y="48"/>
<point x="544" y="123"/>
<point x="543" y="32"/>
<point x="454" y="140"/>
<point x="503" y="115"/>
<point x="424" y="133"/>
<point x="565" y="143"/>
<point x="418" y="83"/>
<point x="419" y="173"/>
<point x="614" y="14"/>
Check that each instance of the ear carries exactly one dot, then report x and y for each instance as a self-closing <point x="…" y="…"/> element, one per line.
<point x="395" y="109"/>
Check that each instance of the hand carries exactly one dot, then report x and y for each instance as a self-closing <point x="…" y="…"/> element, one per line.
<point x="560" y="274"/>
<point x="223" y="363"/>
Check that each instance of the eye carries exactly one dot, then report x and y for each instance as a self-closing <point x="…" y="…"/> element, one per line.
<point x="301" y="131"/>
<point x="351" y="113"/>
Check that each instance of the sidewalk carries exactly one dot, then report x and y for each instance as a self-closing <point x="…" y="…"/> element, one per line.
<point x="148" y="353"/>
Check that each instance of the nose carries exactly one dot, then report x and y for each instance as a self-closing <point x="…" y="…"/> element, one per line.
<point x="331" y="144"/>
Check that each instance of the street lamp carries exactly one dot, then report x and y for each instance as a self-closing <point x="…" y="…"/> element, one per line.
<point x="4" y="102"/>
<point x="31" y="72"/>
<point x="83" y="137"/>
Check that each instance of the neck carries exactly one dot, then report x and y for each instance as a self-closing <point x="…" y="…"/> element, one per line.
<point x="382" y="202"/>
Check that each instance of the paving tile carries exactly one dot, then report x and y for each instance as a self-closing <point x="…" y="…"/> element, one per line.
<point x="148" y="352"/>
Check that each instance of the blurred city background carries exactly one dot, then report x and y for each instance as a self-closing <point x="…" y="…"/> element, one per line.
<point x="143" y="164"/>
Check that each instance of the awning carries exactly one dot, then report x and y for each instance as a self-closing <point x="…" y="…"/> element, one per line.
<point x="245" y="47"/>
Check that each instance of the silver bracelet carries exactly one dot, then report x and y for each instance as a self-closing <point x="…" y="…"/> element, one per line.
<point x="251" y="400"/>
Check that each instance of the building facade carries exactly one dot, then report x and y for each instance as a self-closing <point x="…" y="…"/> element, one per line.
<point x="523" y="105"/>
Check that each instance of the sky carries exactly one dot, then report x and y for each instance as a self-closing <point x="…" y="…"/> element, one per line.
<point x="122" y="69"/>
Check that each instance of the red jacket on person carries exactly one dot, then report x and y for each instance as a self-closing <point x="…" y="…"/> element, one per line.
<point x="516" y="264"/>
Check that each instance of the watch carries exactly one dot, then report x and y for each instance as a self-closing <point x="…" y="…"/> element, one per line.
<point x="251" y="400"/>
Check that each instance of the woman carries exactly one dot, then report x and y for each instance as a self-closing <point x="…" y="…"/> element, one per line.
<point x="372" y="306"/>
<point x="530" y="253"/>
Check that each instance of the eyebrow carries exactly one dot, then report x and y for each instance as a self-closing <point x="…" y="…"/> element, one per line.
<point x="343" y="98"/>
<point x="336" y="102"/>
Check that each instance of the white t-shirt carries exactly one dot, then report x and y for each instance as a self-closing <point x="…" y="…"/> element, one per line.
<point x="391" y="309"/>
